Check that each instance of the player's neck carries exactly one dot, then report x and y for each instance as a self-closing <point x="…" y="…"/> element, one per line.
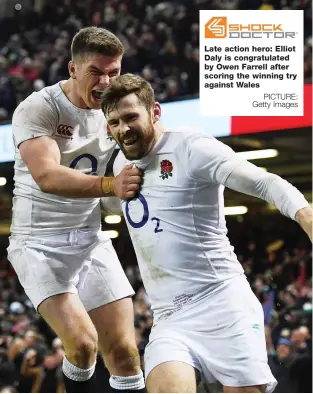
<point x="70" y="91"/>
<point x="158" y="132"/>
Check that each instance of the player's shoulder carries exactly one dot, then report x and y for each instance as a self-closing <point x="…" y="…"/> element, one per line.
<point x="183" y="137"/>
<point x="38" y="104"/>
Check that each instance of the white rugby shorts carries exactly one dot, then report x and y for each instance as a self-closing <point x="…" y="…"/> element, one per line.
<point x="222" y="336"/>
<point x="82" y="262"/>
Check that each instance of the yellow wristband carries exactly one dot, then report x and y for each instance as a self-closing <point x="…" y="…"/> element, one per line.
<point x="107" y="186"/>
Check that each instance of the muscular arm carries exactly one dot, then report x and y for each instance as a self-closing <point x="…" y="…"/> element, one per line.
<point x="215" y="162"/>
<point x="42" y="157"/>
<point x="34" y="123"/>
<point x="249" y="179"/>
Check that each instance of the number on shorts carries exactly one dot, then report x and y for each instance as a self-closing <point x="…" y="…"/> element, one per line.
<point x="93" y="161"/>
<point x="145" y="216"/>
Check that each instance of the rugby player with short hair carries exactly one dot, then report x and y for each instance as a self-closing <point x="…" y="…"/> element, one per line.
<point x="207" y="320"/>
<point x="67" y="266"/>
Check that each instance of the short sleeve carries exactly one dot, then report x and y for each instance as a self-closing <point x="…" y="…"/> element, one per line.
<point x="210" y="160"/>
<point x="34" y="117"/>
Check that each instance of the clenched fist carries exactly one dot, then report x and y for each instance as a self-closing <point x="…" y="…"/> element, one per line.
<point x="127" y="183"/>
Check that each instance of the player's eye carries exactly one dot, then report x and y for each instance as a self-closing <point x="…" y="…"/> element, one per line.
<point x="95" y="72"/>
<point x="132" y="118"/>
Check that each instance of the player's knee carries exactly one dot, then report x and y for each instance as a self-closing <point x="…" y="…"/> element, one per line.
<point x="86" y="348"/>
<point x="82" y="351"/>
<point x="124" y="357"/>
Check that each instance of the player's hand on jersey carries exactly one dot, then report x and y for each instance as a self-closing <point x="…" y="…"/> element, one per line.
<point x="305" y="218"/>
<point x="127" y="183"/>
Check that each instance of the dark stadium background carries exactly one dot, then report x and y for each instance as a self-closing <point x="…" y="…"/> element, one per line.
<point x="162" y="42"/>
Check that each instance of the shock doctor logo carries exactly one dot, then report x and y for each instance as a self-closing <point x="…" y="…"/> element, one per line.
<point x="218" y="27"/>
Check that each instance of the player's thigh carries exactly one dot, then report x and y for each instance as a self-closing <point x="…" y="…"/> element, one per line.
<point x="168" y="351"/>
<point x="106" y="294"/>
<point x="172" y="377"/>
<point x="67" y="316"/>
<point x="105" y="281"/>
<point x="246" y="389"/>
<point x="42" y="267"/>
<point x="48" y="268"/>
<point x="233" y="349"/>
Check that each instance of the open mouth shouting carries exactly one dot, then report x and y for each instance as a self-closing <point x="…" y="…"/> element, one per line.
<point x="97" y="94"/>
<point x="130" y="140"/>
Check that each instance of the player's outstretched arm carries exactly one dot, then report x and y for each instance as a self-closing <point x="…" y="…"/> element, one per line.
<point x="213" y="161"/>
<point x="42" y="157"/>
<point x="249" y="179"/>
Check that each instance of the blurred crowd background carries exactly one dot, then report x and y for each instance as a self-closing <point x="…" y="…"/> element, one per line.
<point x="162" y="45"/>
<point x="161" y="40"/>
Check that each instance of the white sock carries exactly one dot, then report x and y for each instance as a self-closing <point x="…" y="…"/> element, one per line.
<point x="136" y="382"/>
<point x="77" y="374"/>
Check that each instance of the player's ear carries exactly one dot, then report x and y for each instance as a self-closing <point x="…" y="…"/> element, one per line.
<point x="72" y="69"/>
<point x="156" y="112"/>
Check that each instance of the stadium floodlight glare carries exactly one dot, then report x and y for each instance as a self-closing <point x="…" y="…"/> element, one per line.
<point x="3" y="181"/>
<point x="112" y="219"/>
<point x="111" y="233"/>
<point x="258" y="154"/>
<point x="240" y="210"/>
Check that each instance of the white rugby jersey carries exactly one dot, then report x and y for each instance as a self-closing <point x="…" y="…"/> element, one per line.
<point x="84" y="144"/>
<point x="177" y="222"/>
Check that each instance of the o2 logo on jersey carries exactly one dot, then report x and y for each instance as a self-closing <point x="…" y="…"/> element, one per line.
<point x="145" y="216"/>
<point x="93" y="161"/>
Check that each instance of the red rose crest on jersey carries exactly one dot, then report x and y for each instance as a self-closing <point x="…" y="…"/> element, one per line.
<point x="109" y="134"/>
<point x="166" y="169"/>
